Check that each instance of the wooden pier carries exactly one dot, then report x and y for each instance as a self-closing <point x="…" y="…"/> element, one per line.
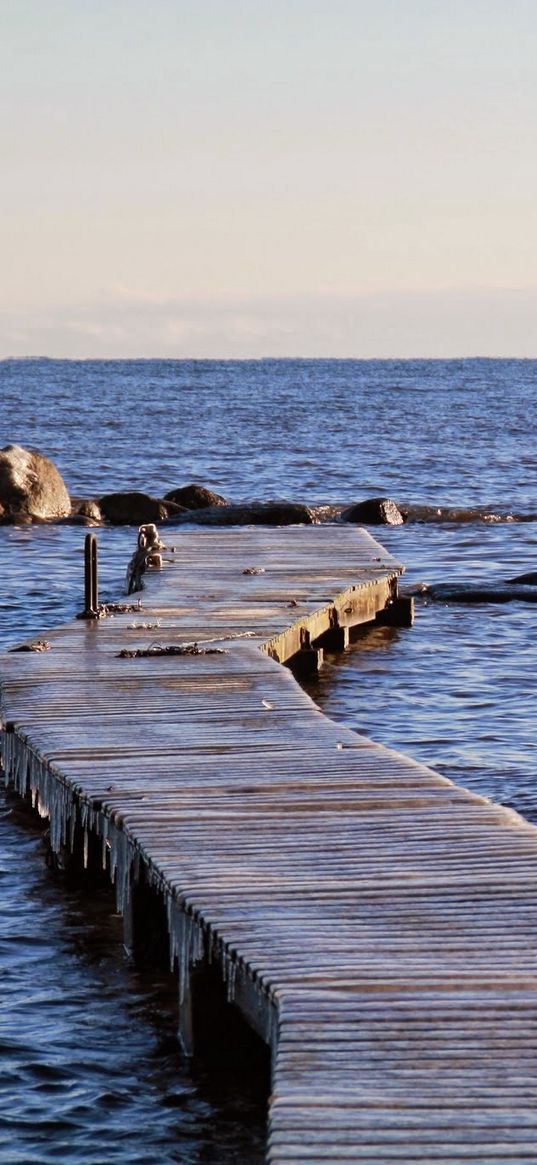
<point x="375" y="924"/>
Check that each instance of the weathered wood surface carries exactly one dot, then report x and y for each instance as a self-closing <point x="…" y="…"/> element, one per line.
<point x="377" y="924"/>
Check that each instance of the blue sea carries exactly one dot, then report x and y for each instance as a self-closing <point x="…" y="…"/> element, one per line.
<point x="89" y="1067"/>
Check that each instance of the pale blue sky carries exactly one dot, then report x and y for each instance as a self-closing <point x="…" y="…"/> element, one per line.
<point x="232" y="178"/>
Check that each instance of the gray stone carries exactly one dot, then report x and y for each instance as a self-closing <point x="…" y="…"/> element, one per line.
<point x="256" y="514"/>
<point x="30" y="486"/>
<point x="327" y="513"/>
<point x="136" y="509"/>
<point x="87" y="508"/>
<point x="374" y="512"/>
<point x="195" y="497"/>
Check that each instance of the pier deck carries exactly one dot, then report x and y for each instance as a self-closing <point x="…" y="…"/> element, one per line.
<point x="376" y="924"/>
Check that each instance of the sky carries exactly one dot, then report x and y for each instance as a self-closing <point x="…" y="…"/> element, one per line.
<point x="244" y="178"/>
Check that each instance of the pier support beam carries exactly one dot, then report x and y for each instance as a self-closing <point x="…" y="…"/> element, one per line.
<point x="399" y="612"/>
<point x="305" y="662"/>
<point x="185" y="1029"/>
<point x="236" y="1031"/>
<point x="128" y="923"/>
<point x="336" y="639"/>
<point x="145" y="925"/>
<point x="308" y="659"/>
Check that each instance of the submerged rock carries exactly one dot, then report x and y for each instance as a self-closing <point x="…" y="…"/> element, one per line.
<point x="256" y="514"/>
<point x="374" y="512"/>
<point x="480" y="592"/>
<point x="195" y="497"/>
<point x="30" y="486"/>
<point x="86" y="508"/>
<point x="21" y="518"/>
<point x="134" y="508"/>
<point x="327" y="513"/>
<point x="458" y="514"/>
<point x="529" y="579"/>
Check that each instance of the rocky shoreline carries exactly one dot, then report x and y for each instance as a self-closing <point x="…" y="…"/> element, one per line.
<point x="32" y="491"/>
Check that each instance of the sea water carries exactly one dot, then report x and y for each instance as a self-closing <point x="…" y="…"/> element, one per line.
<point x="89" y="1068"/>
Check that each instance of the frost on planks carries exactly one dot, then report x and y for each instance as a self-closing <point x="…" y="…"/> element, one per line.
<point x="50" y="796"/>
<point x="57" y="800"/>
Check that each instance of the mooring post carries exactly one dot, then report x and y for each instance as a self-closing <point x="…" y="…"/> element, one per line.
<point x="91" y="589"/>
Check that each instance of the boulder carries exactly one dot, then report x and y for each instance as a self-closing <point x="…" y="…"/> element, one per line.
<point x="195" y="497"/>
<point x="87" y="508"/>
<point x="31" y="486"/>
<point x="136" y="509"/>
<point x="529" y="579"/>
<point x="374" y="512"/>
<point x="256" y="514"/>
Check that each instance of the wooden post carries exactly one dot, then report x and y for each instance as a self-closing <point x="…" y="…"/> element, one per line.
<point x="91" y="587"/>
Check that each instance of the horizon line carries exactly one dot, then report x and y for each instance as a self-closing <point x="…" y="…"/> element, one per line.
<point x="259" y="359"/>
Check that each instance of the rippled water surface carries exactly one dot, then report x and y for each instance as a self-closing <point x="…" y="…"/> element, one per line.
<point x="457" y="691"/>
<point x="446" y="432"/>
<point x="89" y="1069"/>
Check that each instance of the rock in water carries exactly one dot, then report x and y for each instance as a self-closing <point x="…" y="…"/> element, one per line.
<point x="195" y="497"/>
<point x="30" y="485"/>
<point x="86" y="508"/>
<point x="136" y="508"/>
<point x="529" y="579"/>
<point x="459" y="592"/>
<point x="374" y="512"/>
<point x="256" y="514"/>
